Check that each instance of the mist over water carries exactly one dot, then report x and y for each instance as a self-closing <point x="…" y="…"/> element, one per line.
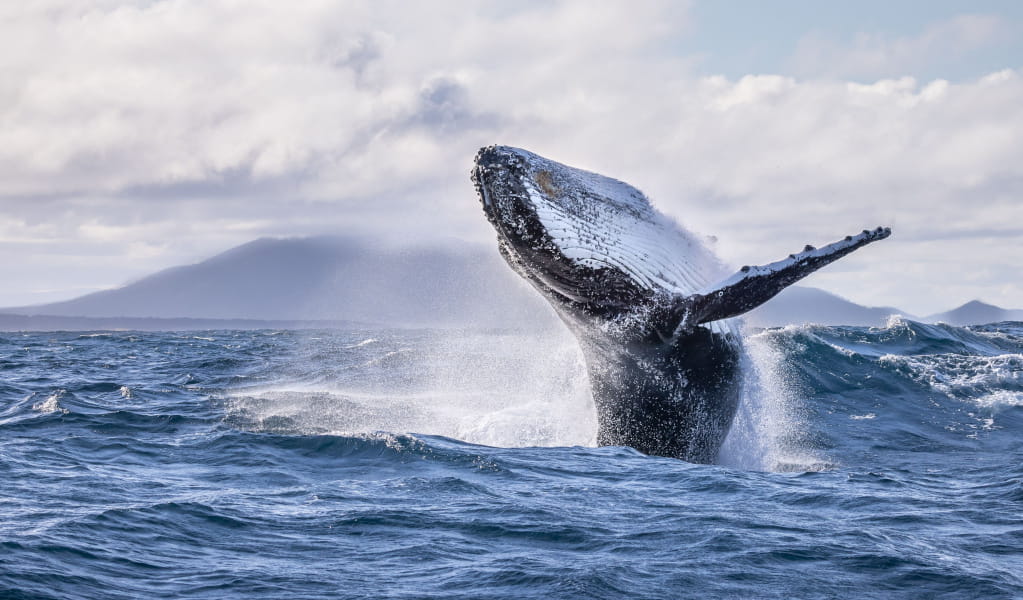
<point x="507" y="389"/>
<point x="497" y="388"/>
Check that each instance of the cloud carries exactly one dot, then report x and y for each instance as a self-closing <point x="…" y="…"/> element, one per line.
<point x="156" y="133"/>
<point x="875" y="55"/>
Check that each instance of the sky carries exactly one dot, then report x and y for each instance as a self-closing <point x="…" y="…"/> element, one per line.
<point x="138" y="136"/>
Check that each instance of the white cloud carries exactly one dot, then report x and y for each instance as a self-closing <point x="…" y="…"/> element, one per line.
<point x="158" y="133"/>
<point x="874" y="55"/>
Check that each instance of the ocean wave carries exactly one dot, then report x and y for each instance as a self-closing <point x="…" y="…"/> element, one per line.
<point x="961" y="376"/>
<point x="51" y="404"/>
<point x="880" y="463"/>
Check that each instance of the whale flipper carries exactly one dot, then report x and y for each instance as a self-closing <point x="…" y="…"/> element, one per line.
<point x="752" y="286"/>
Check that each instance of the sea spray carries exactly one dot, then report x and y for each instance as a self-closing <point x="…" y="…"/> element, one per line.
<point x="765" y="434"/>
<point x="507" y="389"/>
<point x="495" y="388"/>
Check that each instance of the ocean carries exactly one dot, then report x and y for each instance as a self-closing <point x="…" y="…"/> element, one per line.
<point x="865" y="463"/>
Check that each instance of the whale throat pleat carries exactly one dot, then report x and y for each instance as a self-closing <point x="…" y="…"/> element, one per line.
<point x="601" y="223"/>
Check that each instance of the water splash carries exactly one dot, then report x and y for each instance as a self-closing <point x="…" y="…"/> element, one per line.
<point x="512" y="389"/>
<point x="765" y="435"/>
<point x="497" y="389"/>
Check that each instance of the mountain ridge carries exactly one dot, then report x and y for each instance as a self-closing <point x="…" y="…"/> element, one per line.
<point x="341" y="278"/>
<point x="354" y="279"/>
<point x="975" y="312"/>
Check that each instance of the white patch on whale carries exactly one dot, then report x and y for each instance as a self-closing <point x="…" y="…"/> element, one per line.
<point x="597" y="221"/>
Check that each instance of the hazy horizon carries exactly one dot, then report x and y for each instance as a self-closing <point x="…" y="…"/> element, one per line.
<point x="302" y="282"/>
<point x="393" y="245"/>
<point x="141" y="136"/>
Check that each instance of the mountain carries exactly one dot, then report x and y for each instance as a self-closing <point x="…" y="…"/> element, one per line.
<point x="976" y="312"/>
<point x="799" y="304"/>
<point x="331" y="279"/>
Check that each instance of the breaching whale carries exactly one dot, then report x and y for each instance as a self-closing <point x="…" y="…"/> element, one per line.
<point x="650" y="304"/>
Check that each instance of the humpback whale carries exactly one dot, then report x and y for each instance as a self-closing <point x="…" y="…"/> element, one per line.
<point x="653" y="309"/>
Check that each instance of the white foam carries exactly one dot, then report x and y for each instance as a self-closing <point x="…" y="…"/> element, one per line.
<point x="52" y="403"/>
<point x="1000" y="398"/>
<point x="958" y="375"/>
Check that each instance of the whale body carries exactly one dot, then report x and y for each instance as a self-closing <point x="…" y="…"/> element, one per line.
<point x="653" y="309"/>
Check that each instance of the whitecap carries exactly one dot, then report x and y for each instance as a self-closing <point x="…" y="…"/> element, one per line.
<point x="52" y="404"/>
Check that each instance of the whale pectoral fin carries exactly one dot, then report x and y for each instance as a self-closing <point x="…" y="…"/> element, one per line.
<point x="752" y="286"/>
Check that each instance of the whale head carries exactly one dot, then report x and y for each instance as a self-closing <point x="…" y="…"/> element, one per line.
<point x="584" y="240"/>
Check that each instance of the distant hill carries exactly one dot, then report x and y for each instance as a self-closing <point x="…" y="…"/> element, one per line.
<point x="799" y="304"/>
<point x="332" y="278"/>
<point x="976" y="312"/>
<point x="320" y="281"/>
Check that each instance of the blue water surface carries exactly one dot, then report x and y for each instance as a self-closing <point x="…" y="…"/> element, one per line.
<point x="330" y="464"/>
